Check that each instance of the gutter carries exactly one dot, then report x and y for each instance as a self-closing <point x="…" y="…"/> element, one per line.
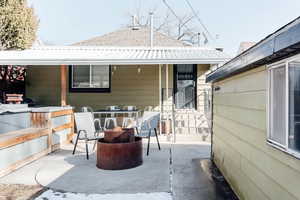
<point x="281" y="44"/>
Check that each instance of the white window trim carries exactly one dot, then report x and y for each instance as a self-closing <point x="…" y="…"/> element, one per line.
<point x="90" y="79"/>
<point x="285" y="148"/>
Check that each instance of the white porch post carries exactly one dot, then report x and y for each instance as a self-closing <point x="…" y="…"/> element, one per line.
<point x="167" y="97"/>
<point x="160" y="99"/>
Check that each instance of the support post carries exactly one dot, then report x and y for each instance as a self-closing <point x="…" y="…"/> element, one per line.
<point x="167" y="99"/>
<point x="63" y="78"/>
<point x="160" y="99"/>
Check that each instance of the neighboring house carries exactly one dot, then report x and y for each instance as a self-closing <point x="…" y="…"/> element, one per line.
<point x="120" y="68"/>
<point x="256" y="134"/>
<point x="244" y="46"/>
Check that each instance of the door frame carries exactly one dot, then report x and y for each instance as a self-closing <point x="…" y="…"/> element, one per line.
<point x="195" y="70"/>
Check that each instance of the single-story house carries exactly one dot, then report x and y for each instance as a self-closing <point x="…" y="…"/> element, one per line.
<point x="120" y="68"/>
<point x="255" y="122"/>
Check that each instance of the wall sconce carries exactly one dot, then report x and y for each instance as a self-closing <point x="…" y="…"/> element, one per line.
<point x="139" y="69"/>
<point x="115" y="68"/>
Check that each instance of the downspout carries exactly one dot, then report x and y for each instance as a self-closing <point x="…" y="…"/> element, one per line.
<point x="212" y="122"/>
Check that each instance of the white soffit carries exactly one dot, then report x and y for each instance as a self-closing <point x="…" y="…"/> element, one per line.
<point x="55" y="55"/>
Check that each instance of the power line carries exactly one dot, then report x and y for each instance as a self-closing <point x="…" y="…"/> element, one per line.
<point x="198" y="18"/>
<point x="174" y="13"/>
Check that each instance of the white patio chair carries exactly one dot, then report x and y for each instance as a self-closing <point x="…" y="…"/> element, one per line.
<point x="87" y="109"/>
<point x="130" y="119"/>
<point x="110" y="123"/>
<point x="90" y="109"/>
<point x="112" y="120"/>
<point x="144" y="126"/>
<point x="85" y="125"/>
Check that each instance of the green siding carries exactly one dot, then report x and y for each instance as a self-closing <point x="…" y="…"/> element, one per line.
<point x="128" y="87"/>
<point x="254" y="169"/>
<point x="43" y="84"/>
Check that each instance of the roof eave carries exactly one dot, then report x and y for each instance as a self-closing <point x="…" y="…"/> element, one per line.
<point x="110" y="62"/>
<point x="271" y="49"/>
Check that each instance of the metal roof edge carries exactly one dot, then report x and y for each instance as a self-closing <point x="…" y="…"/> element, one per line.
<point x="118" y="48"/>
<point x="284" y="42"/>
<point x="110" y="62"/>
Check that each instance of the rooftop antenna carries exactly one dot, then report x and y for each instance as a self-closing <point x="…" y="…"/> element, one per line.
<point x="151" y="29"/>
<point x="198" y="37"/>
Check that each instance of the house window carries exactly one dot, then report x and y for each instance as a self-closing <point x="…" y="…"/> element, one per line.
<point x="90" y="78"/>
<point x="284" y="107"/>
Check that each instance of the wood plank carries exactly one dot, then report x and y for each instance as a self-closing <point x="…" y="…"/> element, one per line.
<point x="50" y="138"/>
<point x="70" y="136"/>
<point x="58" y="146"/>
<point x="63" y="77"/>
<point x="23" y="162"/>
<point x="62" y="127"/>
<point x="61" y="113"/>
<point x="40" y="120"/>
<point x="22" y="136"/>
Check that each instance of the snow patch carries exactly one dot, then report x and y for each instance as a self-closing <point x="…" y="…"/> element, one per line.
<point x="52" y="195"/>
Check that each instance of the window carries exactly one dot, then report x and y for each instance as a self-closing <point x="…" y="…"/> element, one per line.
<point x="90" y="78"/>
<point x="284" y="107"/>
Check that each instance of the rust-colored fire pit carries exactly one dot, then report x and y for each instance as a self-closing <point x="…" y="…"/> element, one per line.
<point x="119" y="149"/>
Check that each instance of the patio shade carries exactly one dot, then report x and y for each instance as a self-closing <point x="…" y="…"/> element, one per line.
<point x="79" y="55"/>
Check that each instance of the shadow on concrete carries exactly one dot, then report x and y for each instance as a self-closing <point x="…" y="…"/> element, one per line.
<point x="195" y="177"/>
<point x="74" y="173"/>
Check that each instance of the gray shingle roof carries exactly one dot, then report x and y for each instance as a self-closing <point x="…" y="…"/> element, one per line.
<point x="126" y="37"/>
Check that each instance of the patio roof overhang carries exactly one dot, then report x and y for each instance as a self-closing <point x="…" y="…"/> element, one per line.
<point x="78" y="55"/>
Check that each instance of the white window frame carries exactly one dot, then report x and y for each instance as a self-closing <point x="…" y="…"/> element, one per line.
<point x="285" y="148"/>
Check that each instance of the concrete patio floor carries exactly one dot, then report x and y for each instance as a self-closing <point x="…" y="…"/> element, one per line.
<point x="177" y="169"/>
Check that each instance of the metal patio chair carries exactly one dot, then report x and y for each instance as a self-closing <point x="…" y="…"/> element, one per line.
<point x="130" y="119"/>
<point x="144" y="126"/>
<point x="96" y="119"/>
<point x="85" y="126"/>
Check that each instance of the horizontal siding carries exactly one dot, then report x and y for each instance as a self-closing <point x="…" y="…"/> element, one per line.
<point x="128" y="87"/>
<point x="43" y="84"/>
<point x="254" y="169"/>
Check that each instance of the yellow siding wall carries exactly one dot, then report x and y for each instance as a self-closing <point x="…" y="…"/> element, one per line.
<point x="253" y="168"/>
<point x="128" y="87"/>
<point x="43" y="84"/>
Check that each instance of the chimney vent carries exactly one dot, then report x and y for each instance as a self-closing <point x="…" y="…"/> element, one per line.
<point x="135" y="25"/>
<point x="151" y="29"/>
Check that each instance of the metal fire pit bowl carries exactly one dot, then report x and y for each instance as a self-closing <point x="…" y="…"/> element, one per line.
<point x="117" y="156"/>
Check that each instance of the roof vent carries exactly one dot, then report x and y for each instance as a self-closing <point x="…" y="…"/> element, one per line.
<point x="135" y="24"/>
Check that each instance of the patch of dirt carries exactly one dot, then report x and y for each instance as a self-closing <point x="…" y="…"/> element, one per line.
<point x="19" y="192"/>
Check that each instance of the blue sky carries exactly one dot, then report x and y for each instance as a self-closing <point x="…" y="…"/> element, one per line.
<point x="64" y="22"/>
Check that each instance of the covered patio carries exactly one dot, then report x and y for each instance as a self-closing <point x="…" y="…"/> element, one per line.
<point x="50" y="129"/>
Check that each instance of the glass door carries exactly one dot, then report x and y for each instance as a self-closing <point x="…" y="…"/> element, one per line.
<point x="185" y="86"/>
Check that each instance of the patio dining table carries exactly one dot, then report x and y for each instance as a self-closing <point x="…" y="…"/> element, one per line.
<point x="117" y="111"/>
